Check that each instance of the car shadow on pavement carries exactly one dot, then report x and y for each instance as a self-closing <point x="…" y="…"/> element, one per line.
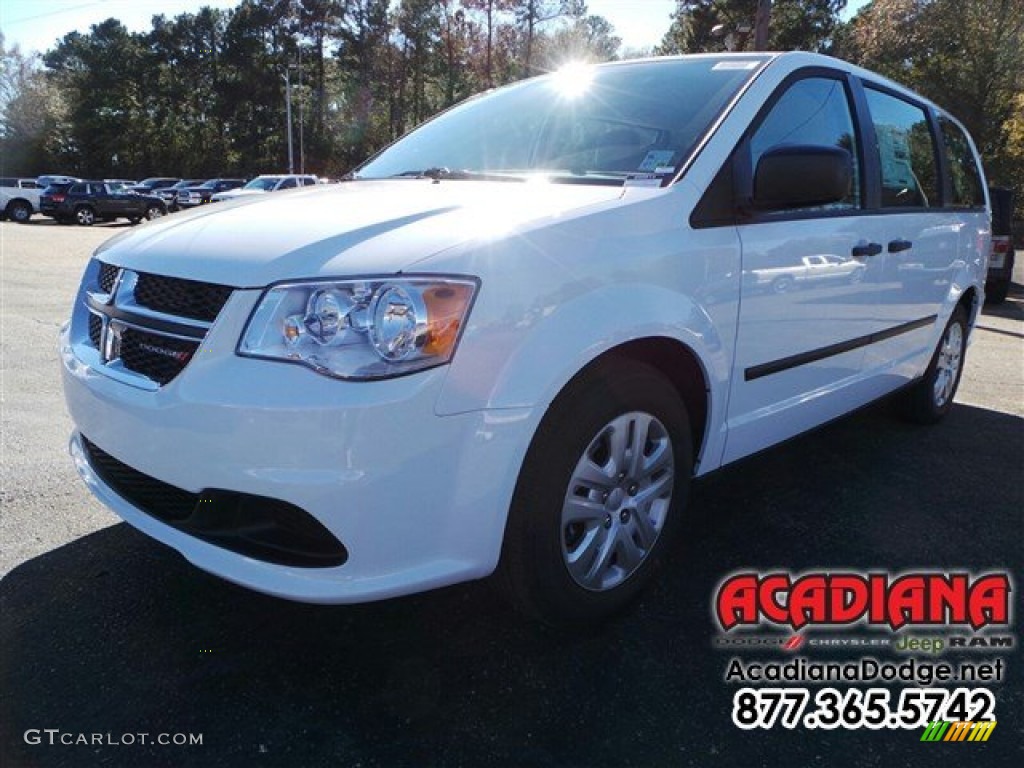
<point x="115" y="634"/>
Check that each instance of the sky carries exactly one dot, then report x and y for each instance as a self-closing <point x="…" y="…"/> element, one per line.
<point x="36" y="25"/>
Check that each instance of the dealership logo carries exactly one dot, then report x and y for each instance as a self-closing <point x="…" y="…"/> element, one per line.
<point x="880" y="599"/>
<point x="181" y="357"/>
<point x="110" y="343"/>
<point x="944" y="730"/>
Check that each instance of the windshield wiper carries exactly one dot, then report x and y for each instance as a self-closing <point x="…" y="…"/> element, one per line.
<point x="439" y="173"/>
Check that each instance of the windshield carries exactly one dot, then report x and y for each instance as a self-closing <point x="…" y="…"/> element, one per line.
<point x="266" y="183"/>
<point x="598" y="123"/>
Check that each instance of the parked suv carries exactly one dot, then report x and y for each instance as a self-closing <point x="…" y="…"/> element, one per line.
<point x="170" y="194"/>
<point x="266" y="183"/>
<point x="516" y="336"/>
<point x="190" y="197"/>
<point x="86" y="202"/>
<point x="19" y="199"/>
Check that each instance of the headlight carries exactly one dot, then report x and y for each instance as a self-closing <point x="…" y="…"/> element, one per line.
<point x="361" y="329"/>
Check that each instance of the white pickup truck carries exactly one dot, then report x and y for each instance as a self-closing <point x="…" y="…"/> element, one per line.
<point x="809" y="269"/>
<point x="19" y="199"/>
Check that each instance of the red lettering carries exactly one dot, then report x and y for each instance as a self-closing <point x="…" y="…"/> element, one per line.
<point x="774" y="609"/>
<point x="807" y="601"/>
<point x="906" y="601"/>
<point x="737" y="601"/>
<point x="989" y="601"/>
<point x="848" y="598"/>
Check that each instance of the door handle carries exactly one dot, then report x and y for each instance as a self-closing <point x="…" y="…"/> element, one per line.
<point x="896" y="246"/>
<point x="867" y="249"/>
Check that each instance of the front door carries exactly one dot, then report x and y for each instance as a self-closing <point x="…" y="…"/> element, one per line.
<point x="810" y="283"/>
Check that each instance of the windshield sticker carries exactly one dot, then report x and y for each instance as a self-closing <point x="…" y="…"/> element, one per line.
<point x="657" y="159"/>
<point x="643" y="180"/>
<point x="736" y="65"/>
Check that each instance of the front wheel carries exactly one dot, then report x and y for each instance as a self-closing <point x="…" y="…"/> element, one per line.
<point x="154" y="212"/>
<point x="931" y="397"/>
<point x="599" y="497"/>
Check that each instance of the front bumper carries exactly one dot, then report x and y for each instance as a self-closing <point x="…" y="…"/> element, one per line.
<point x="418" y="500"/>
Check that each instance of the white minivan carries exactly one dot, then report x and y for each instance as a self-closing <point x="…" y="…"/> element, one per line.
<point x="515" y="336"/>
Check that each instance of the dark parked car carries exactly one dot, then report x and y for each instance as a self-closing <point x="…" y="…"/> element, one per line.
<point x="151" y="185"/>
<point x="201" y="194"/>
<point x="1000" y="263"/>
<point x="170" y="194"/>
<point x="87" y="202"/>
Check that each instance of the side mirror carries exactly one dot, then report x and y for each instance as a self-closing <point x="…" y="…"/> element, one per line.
<point x="801" y="176"/>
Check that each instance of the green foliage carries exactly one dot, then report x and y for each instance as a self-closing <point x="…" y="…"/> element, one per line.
<point x="205" y="94"/>
<point x="701" y="26"/>
<point x="965" y="55"/>
<point x="31" y="115"/>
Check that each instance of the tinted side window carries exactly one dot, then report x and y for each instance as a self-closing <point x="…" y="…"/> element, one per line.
<point x="8" y="182"/>
<point x="77" y="189"/>
<point x="963" y="169"/>
<point x="814" y="111"/>
<point x="906" y="152"/>
<point x="287" y="184"/>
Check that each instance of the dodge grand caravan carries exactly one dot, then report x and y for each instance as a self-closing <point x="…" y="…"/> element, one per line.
<point x="515" y="336"/>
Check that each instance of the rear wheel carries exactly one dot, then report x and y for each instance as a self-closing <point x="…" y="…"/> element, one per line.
<point x="599" y="497"/>
<point x="931" y="397"/>
<point x="19" y="211"/>
<point x="85" y="216"/>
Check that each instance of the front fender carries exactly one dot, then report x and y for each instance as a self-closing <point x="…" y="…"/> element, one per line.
<point x="524" y="362"/>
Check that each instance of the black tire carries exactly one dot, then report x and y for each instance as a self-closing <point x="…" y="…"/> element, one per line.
<point x="85" y="216"/>
<point x="535" y="562"/>
<point x="930" y="398"/>
<point x="996" y="292"/>
<point x="155" y="212"/>
<point x="133" y="220"/>
<point x="782" y="285"/>
<point x="19" y="211"/>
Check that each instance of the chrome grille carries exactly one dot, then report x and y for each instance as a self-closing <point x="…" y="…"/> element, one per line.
<point x="149" y="326"/>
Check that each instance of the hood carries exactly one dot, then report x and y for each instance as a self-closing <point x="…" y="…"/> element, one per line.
<point x="349" y="229"/>
<point x="240" y="192"/>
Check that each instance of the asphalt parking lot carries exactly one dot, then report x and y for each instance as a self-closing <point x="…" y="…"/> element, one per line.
<point x="105" y="631"/>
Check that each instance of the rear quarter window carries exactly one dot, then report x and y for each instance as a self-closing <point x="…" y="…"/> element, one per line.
<point x="906" y="152"/>
<point x="965" y="178"/>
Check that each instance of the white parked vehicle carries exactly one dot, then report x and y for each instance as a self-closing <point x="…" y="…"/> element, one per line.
<point x="512" y="341"/>
<point x="19" y="198"/>
<point x="266" y="183"/>
<point x="809" y="269"/>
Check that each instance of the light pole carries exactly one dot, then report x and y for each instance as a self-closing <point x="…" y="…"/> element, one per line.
<point x="288" y="118"/>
